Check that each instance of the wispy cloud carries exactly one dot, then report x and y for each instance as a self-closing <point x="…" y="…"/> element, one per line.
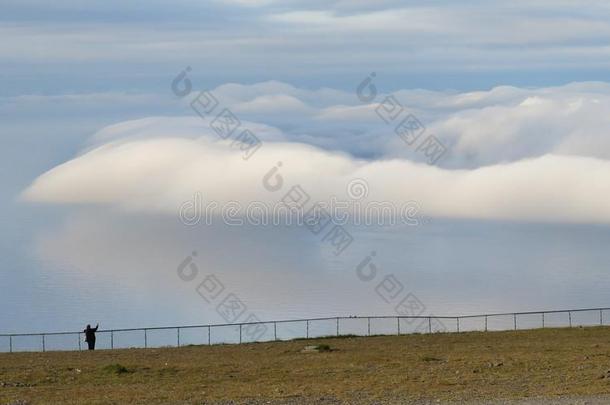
<point x="302" y="38"/>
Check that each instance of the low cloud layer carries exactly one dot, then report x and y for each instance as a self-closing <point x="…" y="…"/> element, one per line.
<point x="514" y="154"/>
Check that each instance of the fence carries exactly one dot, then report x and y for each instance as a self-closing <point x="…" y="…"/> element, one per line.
<point x="301" y="328"/>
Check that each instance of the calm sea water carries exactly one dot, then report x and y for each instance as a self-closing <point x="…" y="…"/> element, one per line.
<point x="124" y="274"/>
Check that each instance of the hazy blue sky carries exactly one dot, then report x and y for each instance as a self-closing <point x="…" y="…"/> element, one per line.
<point x="72" y="47"/>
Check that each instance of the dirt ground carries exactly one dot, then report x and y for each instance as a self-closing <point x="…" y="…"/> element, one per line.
<point x="546" y="366"/>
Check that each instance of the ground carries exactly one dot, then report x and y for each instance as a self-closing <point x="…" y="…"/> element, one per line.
<point x="570" y="365"/>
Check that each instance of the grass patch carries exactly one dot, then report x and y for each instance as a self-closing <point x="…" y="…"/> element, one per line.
<point x="430" y="358"/>
<point x="543" y="363"/>
<point x="347" y="336"/>
<point x="117" y="369"/>
<point x="168" y="371"/>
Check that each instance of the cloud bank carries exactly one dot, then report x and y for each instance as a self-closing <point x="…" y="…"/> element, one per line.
<point x="515" y="154"/>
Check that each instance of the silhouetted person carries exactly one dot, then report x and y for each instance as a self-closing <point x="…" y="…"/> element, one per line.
<point x="90" y="336"/>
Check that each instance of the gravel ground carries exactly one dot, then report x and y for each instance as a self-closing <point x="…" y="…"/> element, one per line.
<point x="584" y="400"/>
<point x="572" y="400"/>
<point x="577" y="400"/>
<point x="560" y="366"/>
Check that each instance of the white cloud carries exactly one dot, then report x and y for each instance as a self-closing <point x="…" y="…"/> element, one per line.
<point x="273" y="104"/>
<point x="503" y="124"/>
<point x="420" y="20"/>
<point x="175" y="127"/>
<point x="159" y="175"/>
<point x="464" y="23"/>
<point x="522" y="154"/>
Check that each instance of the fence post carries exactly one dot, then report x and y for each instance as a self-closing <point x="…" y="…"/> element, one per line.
<point x="337" y="326"/>
<point x="515" y="320"/>
<point x="209" y="335"/>
<point x="10" y="343"/>
<point x="570" y="318"/>
<point x="112" y="339"/>
<point x="79" y="344"/>
<point x="457" y="321"/>
<point x="145" y="339"/>
<point x="307" y="332"/>
<point x="240" y="333"/>
<point x="543" y="320"/>
<point x="601" y="318"/>
<point x="398" y="325"/>
<point x="368" y="326"/>
<point x="275" y="330"/>
<point x="485" y="323"/>
<point x="43" y="345"/>
<point x="178" y="335"/>
<point x="429" y="325"/>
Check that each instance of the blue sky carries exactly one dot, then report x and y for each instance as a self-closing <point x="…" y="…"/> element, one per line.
<point x="68" y="46"/>
<point x="96" y="151"/>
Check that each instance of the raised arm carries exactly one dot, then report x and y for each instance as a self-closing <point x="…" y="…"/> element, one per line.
<point x="96" y="327"/>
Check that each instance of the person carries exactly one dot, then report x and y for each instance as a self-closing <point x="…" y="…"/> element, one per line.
<point x="90" y="336"/>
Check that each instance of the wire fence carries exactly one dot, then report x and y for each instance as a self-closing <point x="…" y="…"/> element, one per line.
<point x="264" y="331"/>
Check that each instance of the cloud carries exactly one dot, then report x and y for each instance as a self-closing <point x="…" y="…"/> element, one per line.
<point x="249" y="3"/>
<point x="174" y="127"/>
<point x="305" y="39"/>
<point x="276" y="104"/>
<point x="514" y="154"/>
<point x="422" y="20"/>
<point x="503" y="124"/>
<point x="160" y="175"/>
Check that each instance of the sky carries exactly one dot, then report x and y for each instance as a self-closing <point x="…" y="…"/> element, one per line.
<point x="102" y="150"/>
